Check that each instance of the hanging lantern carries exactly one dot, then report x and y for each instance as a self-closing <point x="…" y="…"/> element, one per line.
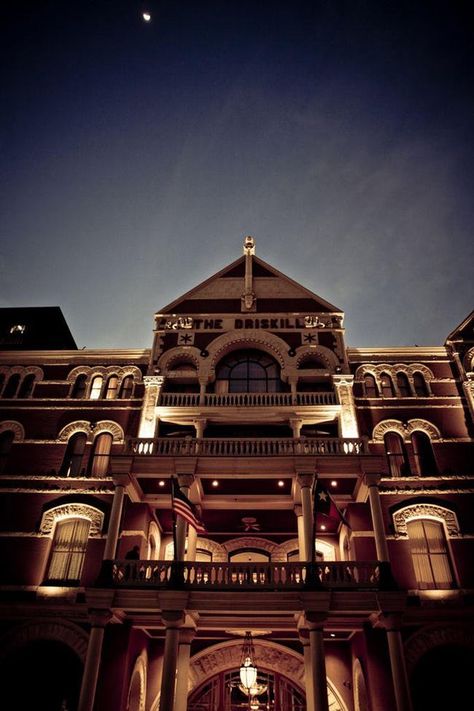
<point x="248" y="670"/>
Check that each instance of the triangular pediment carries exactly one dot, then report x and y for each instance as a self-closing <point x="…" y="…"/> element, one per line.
<point x="464" y="333"/>
<point x="275" y="292"/>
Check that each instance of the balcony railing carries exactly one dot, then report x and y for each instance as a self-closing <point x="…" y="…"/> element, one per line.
<point x="248" y="447"/>
<point x="245" y="399"/>
<point x="248" y="576"/>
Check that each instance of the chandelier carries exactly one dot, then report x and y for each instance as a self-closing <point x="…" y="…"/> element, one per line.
<point x="248" y="670"/>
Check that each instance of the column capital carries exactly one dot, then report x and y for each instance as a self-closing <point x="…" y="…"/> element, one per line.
<point x="153" y="380"/>
<point x="186" y="480"/>
<point x="305" y="479"/>
<point x="186" y="635"/>
<point x="372" y="478"/>
<point x="315" y="620"/>
<point x="342" y="379"/>
<point x="172" y="619"/>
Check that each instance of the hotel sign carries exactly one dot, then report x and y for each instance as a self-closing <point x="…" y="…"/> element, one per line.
<point x="282" y="323"/>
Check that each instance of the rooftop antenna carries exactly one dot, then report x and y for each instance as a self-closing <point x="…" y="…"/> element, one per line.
<point x="248" y="300"/>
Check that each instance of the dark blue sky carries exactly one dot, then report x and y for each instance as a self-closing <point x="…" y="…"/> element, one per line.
<point x="135" y="157"/>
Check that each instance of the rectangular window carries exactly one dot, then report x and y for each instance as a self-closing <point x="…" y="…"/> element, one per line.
<point x="430" y="555"/>
<point x="68" y="550"/>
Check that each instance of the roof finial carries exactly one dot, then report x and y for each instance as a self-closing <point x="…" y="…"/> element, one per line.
<point x="248" y="300"/>
<point x="249" y="245"/>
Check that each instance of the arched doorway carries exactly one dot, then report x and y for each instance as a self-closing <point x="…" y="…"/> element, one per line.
<point x="41" y="674"/>
<point x="451" y="663"/>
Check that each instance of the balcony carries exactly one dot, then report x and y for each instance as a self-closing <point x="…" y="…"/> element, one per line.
<point x="246" y="399"/>
<point x="248" y="447"/>
<point x="347" y="575"/>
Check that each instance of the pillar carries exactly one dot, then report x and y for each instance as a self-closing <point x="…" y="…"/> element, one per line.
<point x="200" y="426"/>
<point x="315" y="622"/>
<point x="153" y="385"/>
<point x="114" y="522"/>
<point x="345" y="397"/>
<point x="192" y="543"/>
<point x="308" y="669"/>
<point x="301" y="542"/>
<point x="99" y="619"/>
<point x="185" y="481"/>
<point x="372" y="481"/>
<point x="186" y="636"/>
<point x="392" y="624"/>
<point x="296" y="425"/>
<point x="202" y="390"/>
<point x="172" y="619"/>
<point x="306" y="482"/>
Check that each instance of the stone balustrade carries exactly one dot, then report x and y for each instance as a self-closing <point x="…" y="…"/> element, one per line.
<point x="246" y="399"/>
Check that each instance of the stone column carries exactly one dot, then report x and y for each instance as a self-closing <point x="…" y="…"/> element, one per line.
<point x="200" y="426"/>
<point x="468" y="387"/>
<point x="99" y="619"/>
<point x="392" y="625"/>
<point x="301" y="542"/>
<point x="372" y="481"/>
<point x="202" y="390"/>
<point x="192" y="543"/>
<point x="293" y="383"/>
<point x="306" y="482"/>
<point x="315" y="622"/>
<point x="345" y="397"/>
<point x="114" y="522"/>
<point x="186" y="636"/>
<point x="308" y="669"/>
<point x="296" y="425"/>
<point x="148" y="419"/>
<point x="185" y="481"/>
<point x="173" y="619"/>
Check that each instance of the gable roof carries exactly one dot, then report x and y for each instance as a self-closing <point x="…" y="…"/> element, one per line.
<point x="275" y="292"/>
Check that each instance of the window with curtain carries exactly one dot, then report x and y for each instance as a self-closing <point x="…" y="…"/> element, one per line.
<point x="96" y="387"/>
<point x="26" y="387"/>
<point x="420" y="386"/>
<point x="6" y="441"/>
<point x="430" y="555"/>
<point x="370" y="386"/>
<point x="387" y="385"/>
<point x="248" y="372"/>
<point x="68" y="550"/>
<point x="72" y="462"/>
<point x="99" y="465"/>
<point x="403" y="385"/>
<point x="80" y="386"/>
<point x="126" y="388"/>
<point x="111" y="388"/>
<point x="12" y="385"/>
<point x="424" y="455"/>
<point x="396" y="454"/>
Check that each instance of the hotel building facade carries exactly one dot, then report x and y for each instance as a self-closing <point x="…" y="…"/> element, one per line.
<point x="248" y="395"/>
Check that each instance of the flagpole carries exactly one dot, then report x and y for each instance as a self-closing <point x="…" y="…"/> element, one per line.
<point x="173" y="514"/>
<point x="313" y="535"/>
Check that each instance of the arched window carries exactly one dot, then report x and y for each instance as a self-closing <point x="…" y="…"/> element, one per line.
<point x="80" y="386"/>
<point x="2" y="381"/>
<point x="99" y="465"/>
<point x="68" y="550"/>
<point x="424" y="455"/>
<point x="126" y="389"/>
<point x="248" y="372"/>
<point x="249" y="555"/>
<point x="396" y="454"/>
<point x="203" y="556"/>
<point x="403" y="385"/>
<point x="419" y="384"/>
<point x="6" y="441"/>
<point x="96" y="387"/>
<point x="26" y="387"/>
<point x="72" y="462"/>
<point x="430" y="555"/>
<point x="12" y="385"/>
<point x="370" y="386"/>
<point x="387" y="385"/>
<point x="111" y="388"/>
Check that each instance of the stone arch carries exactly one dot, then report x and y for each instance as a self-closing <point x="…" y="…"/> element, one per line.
<point x="33" y="370"/>
<point x="190" y="353"/>
<point x="251" y="542"/>
<point x="321" y="352"/>
<point x="72" y="510"/>
<point x="360" y="687"/>
<point x="246" y="338"/>
<point x="59" y="630"/>
<point x="112" y="427"/>
<point x="381" y="429"/>
<point x="269" y="655"/>
<point x="73" y="427"/>
<point x="327" y="549"/>
<point x="136" y="697"/>
<point x="431" y="430"/>
<point x="428" y="638"/>
<point x="217" y="551"/>
<point x="468" y="361"/>
<point x="426" y="510"/>
<point x="80" y="370"/>
<point x="154" y="534"/>
<point x="15" y="427"/>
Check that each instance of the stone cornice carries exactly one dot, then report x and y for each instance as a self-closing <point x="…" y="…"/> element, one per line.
<point x="418" y="353"/>
<point x="80" y="356"/>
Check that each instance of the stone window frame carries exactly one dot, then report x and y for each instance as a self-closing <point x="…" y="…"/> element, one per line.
<point x="376" y="370"/>
<point x="63" y="512"/>
<point x="405" y="430"/>
<point x="429" y="510"/>
<point x="23" y="372"/>
<point x="105" y="372"/>
<point x="15" y="427"/>
<point x="109" y="426"/>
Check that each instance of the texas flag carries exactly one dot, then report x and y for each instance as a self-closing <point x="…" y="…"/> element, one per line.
<point x="324" y="504"/>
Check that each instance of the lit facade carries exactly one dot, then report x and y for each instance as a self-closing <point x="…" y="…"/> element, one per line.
<point x="247" y="396"/>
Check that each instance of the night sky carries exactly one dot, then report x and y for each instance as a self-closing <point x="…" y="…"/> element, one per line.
<point x="135" y="157"/>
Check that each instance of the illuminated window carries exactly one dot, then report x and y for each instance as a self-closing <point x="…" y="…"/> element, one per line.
<point x="396" y="454"/>
<point x="387" y="385"/>
<point x="370" y="386"/>
<point x="68" y="550"/>
<point x="403" y="385"/>
<point x="126" y="389"/>
<point x="12" y="386"/>
<point x="424" y="455"/>
<point x="420" y="386"/>
<point x="18" y="329"/>
<point x="96" y="387"/>
<point x="111" y="388"/>
<point x="430" y="555"/>
<point x="72" y="462"/>
<point x="248" y="372"/>
<point x="99" y="465"/>
<point x="80" y="386"/>
<point x="26" y="387"/>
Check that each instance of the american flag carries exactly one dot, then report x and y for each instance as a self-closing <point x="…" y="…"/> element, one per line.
<point x="182" y="506"/>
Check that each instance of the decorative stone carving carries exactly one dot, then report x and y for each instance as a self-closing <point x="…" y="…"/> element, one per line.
<point x="345" y="396"/>
<point x="174" y="355"/>
<point x="60" y="630"/>
<point x="228" y="342"/>
<point x="109" y="426"/>
<point x="120" y="372"/>
<point x="179" y="323"/>
<point x="414" y="511"/>
<point x="250" y="542"/>
<point x="218" y="552"/>
<point x="431" y="430"/>
<point x="73" y="427"/>
<point x="321" y="352"/>
<point x="95" y="516"/>
<point x="405" y="431"/>
<point x="468" y="361"/>
<point x="15" y="427"/>
<point x="138" y="683"/>
<point x="428" y="638"/>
